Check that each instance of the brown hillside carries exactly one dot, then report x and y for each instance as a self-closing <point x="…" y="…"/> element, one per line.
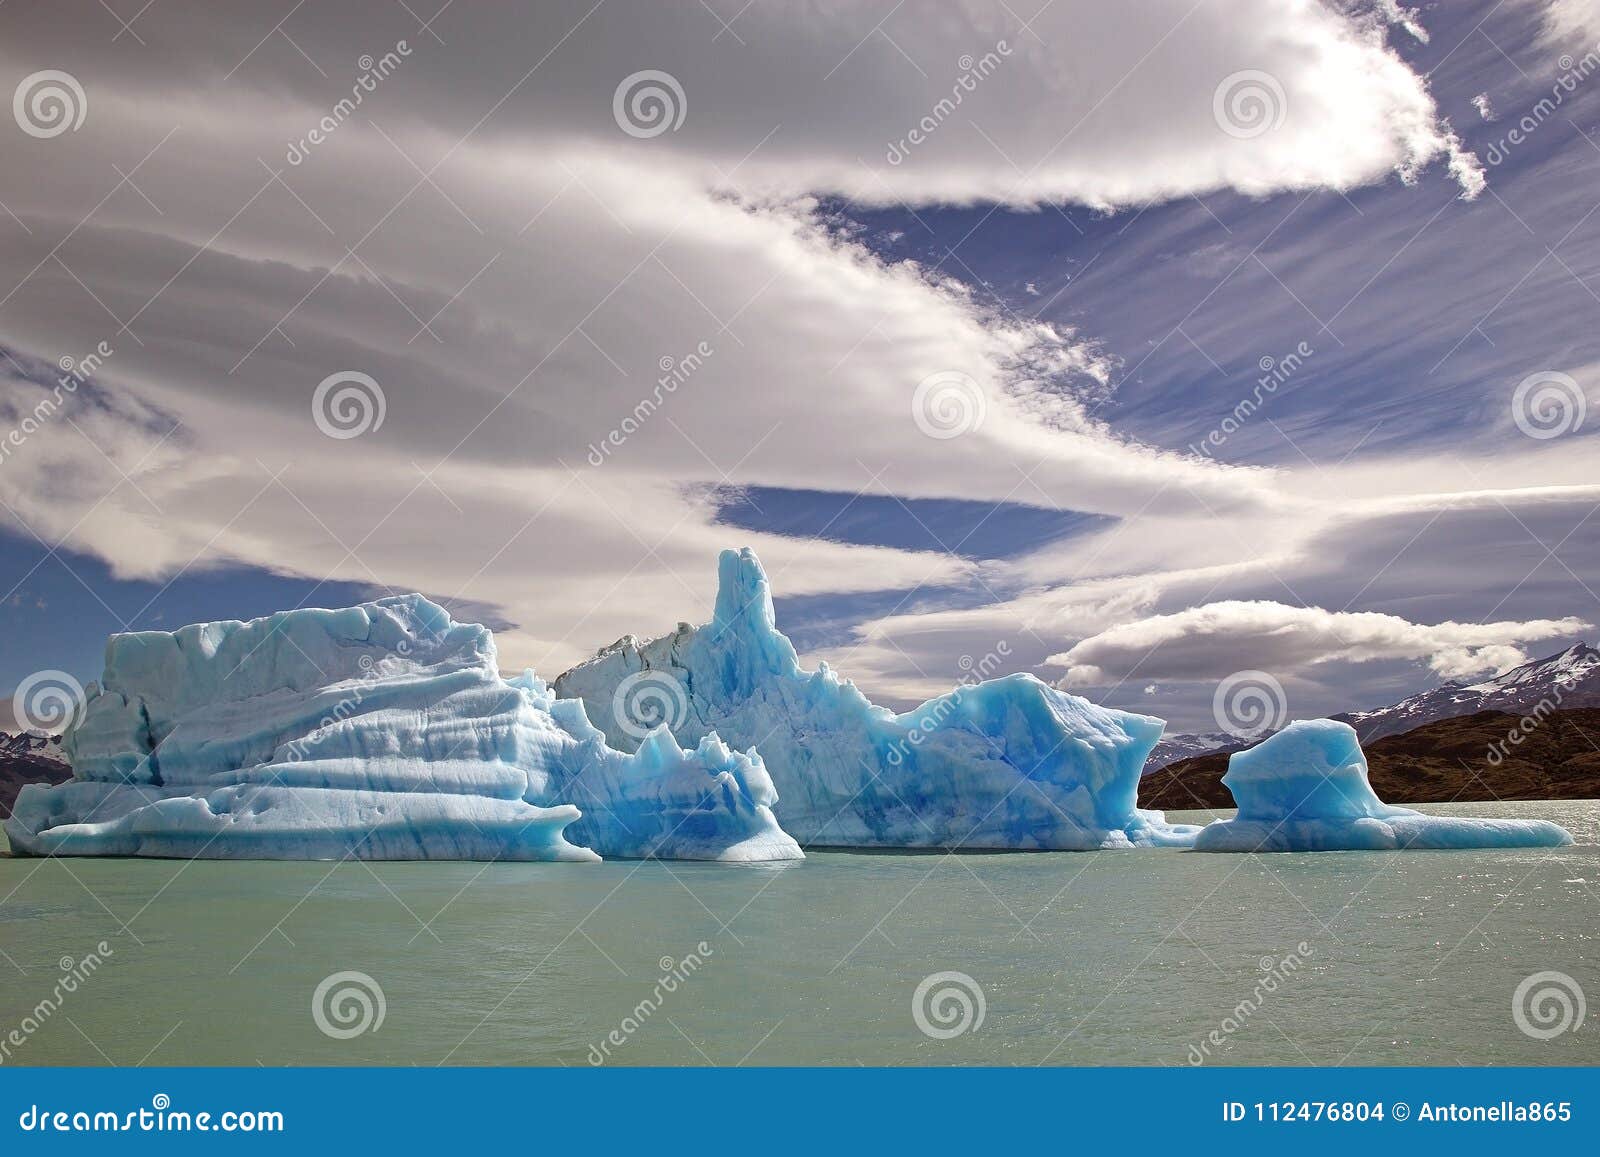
<point x="1468" y="758"/>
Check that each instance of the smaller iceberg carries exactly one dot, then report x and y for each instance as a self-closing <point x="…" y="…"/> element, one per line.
<point x="1305" y="789"/>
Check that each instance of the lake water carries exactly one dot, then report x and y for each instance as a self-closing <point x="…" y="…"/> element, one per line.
<point x="1080" y="958"/>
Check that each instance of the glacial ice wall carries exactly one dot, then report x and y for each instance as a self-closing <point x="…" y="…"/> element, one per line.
<point x="381" y="731"/>
<point x="1008" y="763"/>
<point x="1305" y="789"/>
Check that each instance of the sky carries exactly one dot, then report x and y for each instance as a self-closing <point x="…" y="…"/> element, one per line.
<point x="1157" y="348"/>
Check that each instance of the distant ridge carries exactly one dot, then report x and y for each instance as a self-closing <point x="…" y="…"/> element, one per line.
<point x="28" y="759"/>
<point x="1565" y="681"/>
<point x="1173" y="748"/>
<point x="1464" y="758"/>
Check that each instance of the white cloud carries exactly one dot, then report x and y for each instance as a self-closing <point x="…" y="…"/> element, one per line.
<point x="1368" y="533"/>
<point x="1394" y="13"/>
<point x="511" y="267"/>
<point x="1211" y="641"/>
<point x="1110" y="105"/>
<point x="1565" y="21"/>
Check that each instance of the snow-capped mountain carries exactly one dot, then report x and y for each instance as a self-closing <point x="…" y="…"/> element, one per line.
<point x="1568" y="680"/>
<point x="27" y="746"/>
<point x="1175" y="747"/>
<point x="28" y="759"/>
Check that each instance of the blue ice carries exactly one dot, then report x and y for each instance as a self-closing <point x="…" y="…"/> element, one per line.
<point x="381" y="731"/>
<point x="1305" y="789"/>
<point x="1010" y="763"/>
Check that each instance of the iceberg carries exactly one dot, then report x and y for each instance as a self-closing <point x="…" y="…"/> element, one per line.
<point x="381" y="731"/>
<point x="1010" y="763"/>
<point x="1305" y="789"/>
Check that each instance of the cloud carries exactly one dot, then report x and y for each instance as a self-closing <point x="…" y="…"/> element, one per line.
<point x="1149" y="103"/>
<point x="482" y="238"/>
<point x="1392" y="11"/>
<point x="1088" y="102"/>
<point x="1565" y="21"/>
<point x="1210" y="641"/>
<point x="1365" y="537"/>
<point x="512" y="267"/>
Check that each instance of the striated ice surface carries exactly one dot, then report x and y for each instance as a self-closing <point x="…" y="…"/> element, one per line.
<point x="1305" y="789"/>
<point x="1008" y="763"/>
<point x="382" y="731"/>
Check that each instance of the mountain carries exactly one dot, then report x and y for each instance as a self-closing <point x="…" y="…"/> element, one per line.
<point x="1172" y="748"/>
<point x="25" y="746"/>
<point x="28" y="759"/>
<point x="1467" y="757"/>
<point x="1565" y="681"/>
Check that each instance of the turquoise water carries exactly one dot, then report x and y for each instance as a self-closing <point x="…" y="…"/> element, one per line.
<point x="1086" y="958"/>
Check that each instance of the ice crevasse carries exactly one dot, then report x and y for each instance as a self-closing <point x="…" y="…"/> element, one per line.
<point x="1306" y="789"/>
<point x="1010" y="763"/>
<point x="381" y="731"/>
